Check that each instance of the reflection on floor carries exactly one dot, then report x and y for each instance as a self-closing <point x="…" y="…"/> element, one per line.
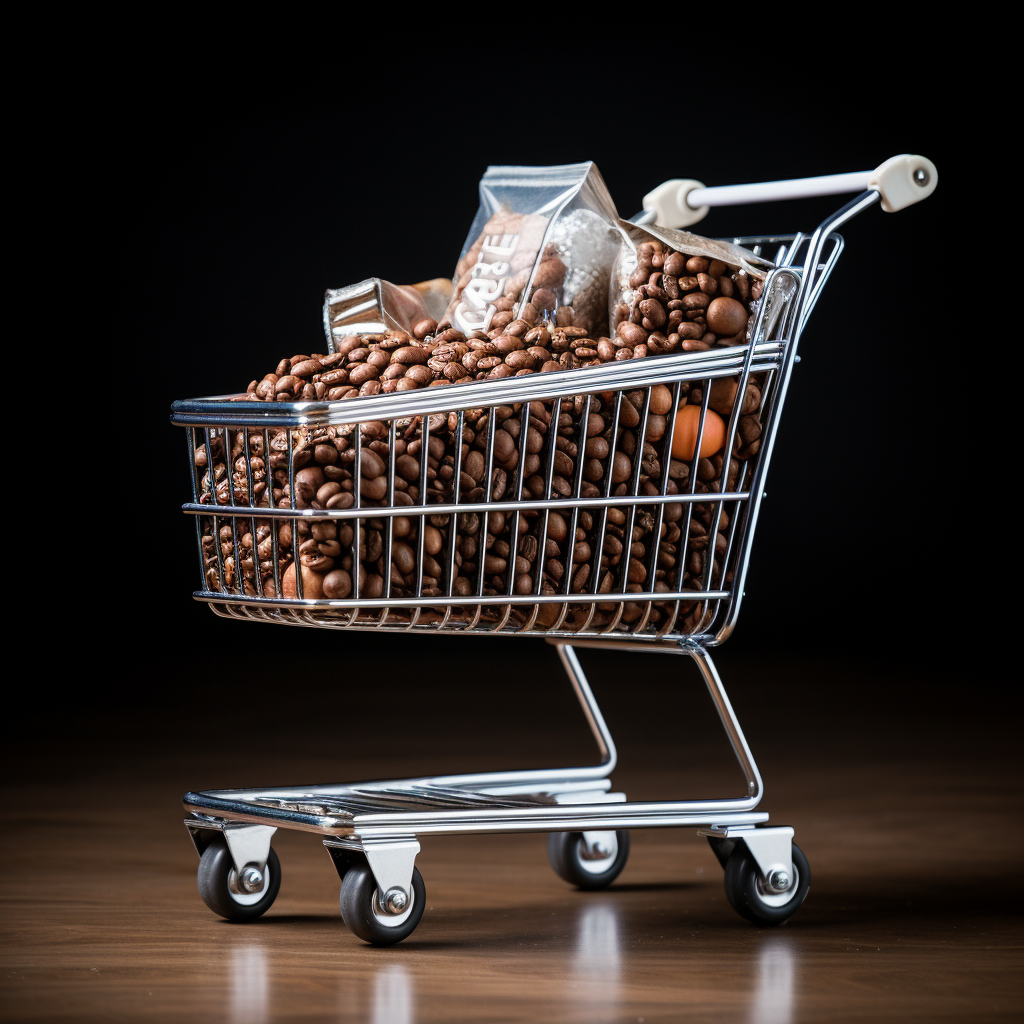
<point x="594" y="977"/>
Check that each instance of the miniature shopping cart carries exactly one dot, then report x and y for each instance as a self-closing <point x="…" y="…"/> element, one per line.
<point x="372" y="830"/>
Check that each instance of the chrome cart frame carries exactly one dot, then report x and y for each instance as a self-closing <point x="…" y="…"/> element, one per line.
<point x="375" y="826"/>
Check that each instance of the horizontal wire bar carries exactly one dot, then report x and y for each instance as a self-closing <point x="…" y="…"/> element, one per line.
<point x="537" y="505"/>
<point x="456" y="600"/>
<point x="578" y="638"/>
<point x="535" y="387"/>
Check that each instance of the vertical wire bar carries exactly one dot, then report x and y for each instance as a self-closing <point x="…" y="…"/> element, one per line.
<point x="513" y="545"/>
<point x="670" y="429"/>
<point x="190" y="441"/>
<point x="596" y="554"/>
<point x="236" y="547"/>
<point x="577" y="491"/>
<point x="740" y="505"/>
<point x="273" y="522"/>
<point x="707" y="385"/>
<point x="518" y="482"/>
<point x="357" y="529"/>
<point x="453" y="519"/>
<point x="485" y="515"/>
<point x="389" y="526"/>
<point x="215" y="501"/>
<point x="666" y="476"/>
<point x="549" y="473"/>
<point x="517" y="488"/>
<point x="634" y="486"/>
<point x="252" y="520"/>
<point x="424" y="463"/>
<point x="545" y="512"/>
<point x="656" y="531"/>
<point x="684" y="537"/>
<point x="296" y="563"/>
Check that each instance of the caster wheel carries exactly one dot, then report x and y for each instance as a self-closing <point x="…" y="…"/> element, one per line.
<point x="588" y="868"/>
<point x="749" y="896"/>
<point x="225" y="894"/>
<point x="364" y="913"/>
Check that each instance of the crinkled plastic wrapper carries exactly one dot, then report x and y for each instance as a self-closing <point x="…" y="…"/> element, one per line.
<point x="375" y="306"/>
<point x="547" y="236"/>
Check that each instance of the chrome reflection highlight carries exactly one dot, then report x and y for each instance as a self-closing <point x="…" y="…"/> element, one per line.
<point x="597" y="960"/>
<point x="773" y="997"/>
<point x="249" y="1002"/>
<point x="392" y="996"/>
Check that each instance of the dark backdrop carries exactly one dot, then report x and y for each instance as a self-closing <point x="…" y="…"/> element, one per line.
<point x="231" y="213"/>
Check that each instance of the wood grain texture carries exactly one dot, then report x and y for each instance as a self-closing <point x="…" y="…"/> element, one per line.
<point x="913" y="913"/>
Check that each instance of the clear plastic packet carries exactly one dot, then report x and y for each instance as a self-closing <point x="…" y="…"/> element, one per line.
<point x="375" y="306"/>
<point x="544" y="236"/>
<point x="682" y="291"/>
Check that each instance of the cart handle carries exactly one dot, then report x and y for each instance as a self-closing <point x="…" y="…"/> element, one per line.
<point x="901" y="181"/>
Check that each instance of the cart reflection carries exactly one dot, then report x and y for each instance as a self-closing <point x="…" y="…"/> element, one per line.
<point x="596" y="976"/>
<point x="249" y="1001"/>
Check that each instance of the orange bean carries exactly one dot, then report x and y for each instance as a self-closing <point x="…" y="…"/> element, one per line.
<point x="684" y="437"/>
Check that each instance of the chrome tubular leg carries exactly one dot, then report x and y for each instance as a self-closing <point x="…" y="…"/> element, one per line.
<point x="605" y="743"/>
<point x="729" y="721"/>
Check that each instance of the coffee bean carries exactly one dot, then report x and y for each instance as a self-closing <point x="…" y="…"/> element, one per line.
<point x="307" y="368"/>
<point x="675" y="264"/>
<point x="631" y="334"/>
<point x="337" y="584"/>
<point x="362" y="373"/>
<point x="727" y="316"/>
<point x="520" y="360"/>
<point x="423" y="328"/>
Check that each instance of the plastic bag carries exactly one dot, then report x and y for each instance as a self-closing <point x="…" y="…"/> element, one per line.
<point x="544" y="236"/>
<point x="677" y="291"/>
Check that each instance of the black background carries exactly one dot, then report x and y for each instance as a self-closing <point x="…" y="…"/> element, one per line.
<point x="230" y="209"/>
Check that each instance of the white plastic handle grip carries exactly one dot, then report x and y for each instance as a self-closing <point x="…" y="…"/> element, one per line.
<point x="901" y="181"/>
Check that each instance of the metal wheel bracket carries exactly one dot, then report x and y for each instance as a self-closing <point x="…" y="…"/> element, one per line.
<point x="391" y="860"/>
<point x="203" y="832"/>
<point x="770" y="846"/>
<point x="344" y="854"/>
<point x="247" y="844"/>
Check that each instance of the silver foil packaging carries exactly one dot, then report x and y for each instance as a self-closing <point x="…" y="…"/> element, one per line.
<point x="375" y="306"/>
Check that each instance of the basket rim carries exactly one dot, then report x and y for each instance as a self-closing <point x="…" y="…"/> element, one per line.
<point x="224" y="410"/>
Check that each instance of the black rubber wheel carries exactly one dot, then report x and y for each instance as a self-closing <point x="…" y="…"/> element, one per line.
<point x="746" y="892"/>
<point x="362" y="913"/>
<point x="566" y="853"/>
<point x="218" y="884"/>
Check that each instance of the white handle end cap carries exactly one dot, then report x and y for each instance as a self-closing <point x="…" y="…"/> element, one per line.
<point x="904" y="180"/>
<point x="668" y="203"/>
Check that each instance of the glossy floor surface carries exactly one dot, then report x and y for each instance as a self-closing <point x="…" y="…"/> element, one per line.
<point x="913" y="914"/>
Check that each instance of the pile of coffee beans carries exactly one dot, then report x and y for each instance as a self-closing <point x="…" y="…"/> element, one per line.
<point x="627" y="548"/>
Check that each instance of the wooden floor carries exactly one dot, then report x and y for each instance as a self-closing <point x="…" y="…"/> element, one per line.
<point x="913" y="914"/>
